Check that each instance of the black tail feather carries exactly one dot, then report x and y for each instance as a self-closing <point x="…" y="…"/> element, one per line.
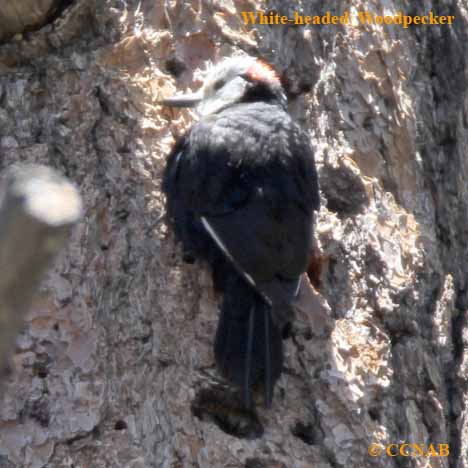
<point x="268" y="381"/>
<point x="248" y="347"/>
<point x="248" y="359"/>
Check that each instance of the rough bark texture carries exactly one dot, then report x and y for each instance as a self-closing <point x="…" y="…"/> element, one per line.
<point x="17" y="16"/>
<point x="115" y="367"/>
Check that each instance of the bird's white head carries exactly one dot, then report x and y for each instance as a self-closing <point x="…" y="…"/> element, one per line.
<point x="234" y="80"/>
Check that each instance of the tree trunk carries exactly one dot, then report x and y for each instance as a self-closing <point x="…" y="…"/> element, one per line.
<point x="115" y="366"/>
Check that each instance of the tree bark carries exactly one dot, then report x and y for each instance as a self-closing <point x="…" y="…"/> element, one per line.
<point x="17" y="16"/>
<point x="115" y="367"/>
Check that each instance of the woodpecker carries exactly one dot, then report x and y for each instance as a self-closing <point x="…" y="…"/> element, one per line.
<point x="241" y="188"/>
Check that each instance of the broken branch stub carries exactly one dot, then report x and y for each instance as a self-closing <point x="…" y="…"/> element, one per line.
<point x="38" y="207"/>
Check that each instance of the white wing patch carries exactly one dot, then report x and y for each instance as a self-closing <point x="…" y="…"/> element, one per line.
<point x="225" y="251"/>
<point x="299" y="281"/>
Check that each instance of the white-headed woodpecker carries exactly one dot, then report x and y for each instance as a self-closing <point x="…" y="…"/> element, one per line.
<point x="241" y="188"/>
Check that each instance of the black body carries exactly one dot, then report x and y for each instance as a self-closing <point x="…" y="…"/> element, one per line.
<point x="246" y="176"/>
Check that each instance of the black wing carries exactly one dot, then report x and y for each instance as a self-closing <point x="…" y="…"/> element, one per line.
<point x="255" y="189"/>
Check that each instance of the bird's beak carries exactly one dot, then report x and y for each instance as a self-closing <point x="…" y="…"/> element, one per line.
<point x="184" y="100"/>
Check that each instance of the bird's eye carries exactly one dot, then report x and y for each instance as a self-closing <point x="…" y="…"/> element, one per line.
<point x="219" y="84"/>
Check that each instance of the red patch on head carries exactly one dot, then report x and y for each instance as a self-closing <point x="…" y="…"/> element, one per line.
<point x="263" y="71"/>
